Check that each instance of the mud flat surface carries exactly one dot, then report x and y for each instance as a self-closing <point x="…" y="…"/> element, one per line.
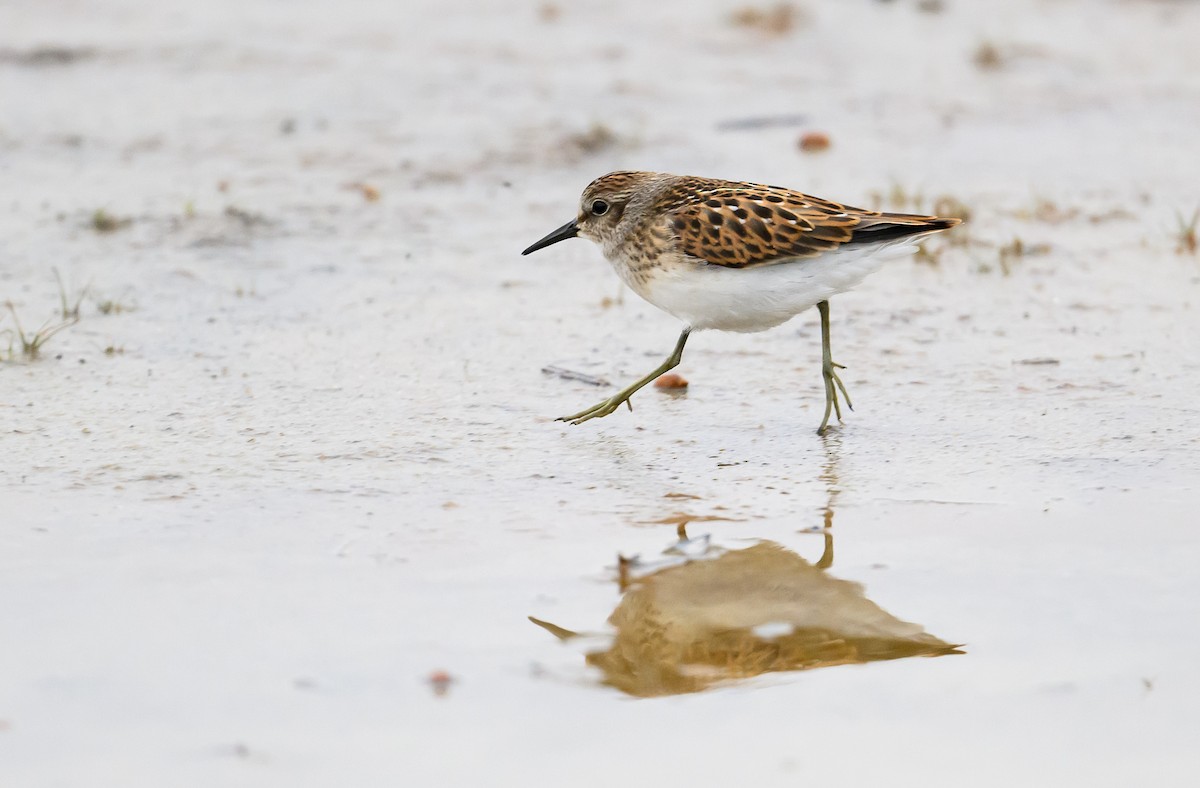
<point x="277" y="508"/>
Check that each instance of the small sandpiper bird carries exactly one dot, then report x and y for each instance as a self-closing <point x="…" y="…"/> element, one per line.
<point x="733" y="256"/>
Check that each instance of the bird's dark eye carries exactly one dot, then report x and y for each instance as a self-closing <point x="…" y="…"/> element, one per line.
<point x="599" y="208"/>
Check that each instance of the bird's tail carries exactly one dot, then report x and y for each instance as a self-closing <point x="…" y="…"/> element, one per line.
<point x="899" y="226"/>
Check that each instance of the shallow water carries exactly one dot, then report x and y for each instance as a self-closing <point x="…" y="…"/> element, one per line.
<point x="282" y="515"/>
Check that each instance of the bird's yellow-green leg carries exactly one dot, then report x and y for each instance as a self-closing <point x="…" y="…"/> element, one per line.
<point x="828" y="370"/>
<point x="612" y="403"/>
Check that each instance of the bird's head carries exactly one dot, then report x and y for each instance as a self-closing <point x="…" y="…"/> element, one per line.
<point x="601" y="208"/>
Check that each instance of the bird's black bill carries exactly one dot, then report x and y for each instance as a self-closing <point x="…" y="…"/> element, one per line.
<point x="568" y="230"/>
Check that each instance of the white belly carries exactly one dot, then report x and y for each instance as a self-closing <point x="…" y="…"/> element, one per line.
<point x="755" y="299"/>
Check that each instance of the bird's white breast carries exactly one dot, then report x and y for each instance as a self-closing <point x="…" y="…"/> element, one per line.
<point x="755" y="299"/>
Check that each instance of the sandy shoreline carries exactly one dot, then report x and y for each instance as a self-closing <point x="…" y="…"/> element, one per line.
<point x="298" y="453"/>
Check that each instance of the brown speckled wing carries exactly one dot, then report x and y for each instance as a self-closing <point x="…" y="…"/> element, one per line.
<point x="741" y="225"/>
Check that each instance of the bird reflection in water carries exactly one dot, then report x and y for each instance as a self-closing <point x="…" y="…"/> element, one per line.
<point x="711" y="615"/>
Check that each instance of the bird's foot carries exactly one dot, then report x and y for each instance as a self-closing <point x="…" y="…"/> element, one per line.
<point x="833" y="384"/>
<point x="600" y="409"/>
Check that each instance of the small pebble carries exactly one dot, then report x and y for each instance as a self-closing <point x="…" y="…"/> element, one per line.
<point x="671" y="381"/>
<point x="814" y="141"/>
<point x="440" y="680"/>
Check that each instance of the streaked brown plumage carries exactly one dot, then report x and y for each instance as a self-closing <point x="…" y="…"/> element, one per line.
<point x="733" y="256"/>
<point x="747" y="225"/>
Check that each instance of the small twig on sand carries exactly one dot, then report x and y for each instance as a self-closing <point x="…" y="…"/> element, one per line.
<point x="570" y="374"/>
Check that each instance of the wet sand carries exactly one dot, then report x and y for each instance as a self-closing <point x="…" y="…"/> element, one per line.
<point x="279" y="506"/>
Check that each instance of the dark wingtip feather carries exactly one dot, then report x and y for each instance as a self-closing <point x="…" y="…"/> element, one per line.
<point x="883" y="230"/>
